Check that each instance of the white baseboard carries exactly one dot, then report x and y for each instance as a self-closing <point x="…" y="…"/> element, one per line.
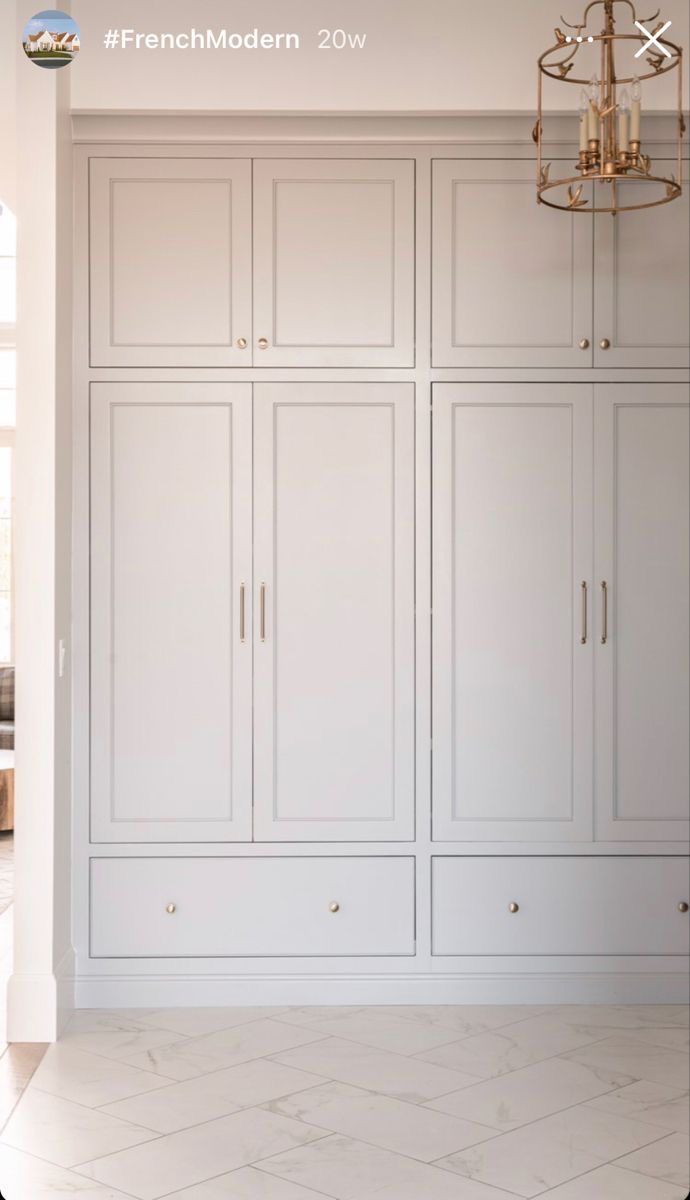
<point x="32" y="1008"/>
<point x="153" y="991"/>
<point x="39" y="1005"/>
<point x="64" y="975"/>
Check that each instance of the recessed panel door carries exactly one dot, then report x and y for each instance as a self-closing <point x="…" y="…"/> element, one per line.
<point x="642" y="288"/>
<point x="512" y="616"/>
<point x="512" y="279"/>
<point x="171" y="262"/>
<point x="642" y="432"/>
<point x="334" y="612"/>
<point x="171" y="682"/>
<point x="334" y="263"/>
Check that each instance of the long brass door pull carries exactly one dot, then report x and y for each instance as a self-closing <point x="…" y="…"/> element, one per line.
<point x="583" y="638"/>
<point x="605" y="612"/>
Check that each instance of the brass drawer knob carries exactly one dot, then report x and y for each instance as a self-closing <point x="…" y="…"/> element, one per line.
<point x="513" y="907"/>
<point x="334" y="907"/>
<point x="263" y="343"/>
<point x="605" y="344"/>
<point x="584" y="344"/>
<point x="171" y="908"/>
<point x="683" y="906"/>
<point x="242" y="343"/>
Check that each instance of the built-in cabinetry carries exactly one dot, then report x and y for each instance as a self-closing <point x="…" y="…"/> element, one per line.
<point x="334" y="631"/>
<point x="171" y="550"/>
<point x="387" y="649"/>
<point x="642" y="543"/>
<point x="182" y="249"/>
<point x="559" y="906"/>
<point x="518" y="284"/>
<point x="641" y="292"/>
<point x="512" y="656"/>
<point x="212" y="907"/>
<point x="267" y="577"/>
<point x="531" y="494"/>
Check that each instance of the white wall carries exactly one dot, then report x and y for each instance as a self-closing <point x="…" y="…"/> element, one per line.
<point x="42" y="933"/>
<point x="421" y="55"/>
<point x="8" y="109"/>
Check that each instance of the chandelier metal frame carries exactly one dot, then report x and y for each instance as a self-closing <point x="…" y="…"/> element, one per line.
<point x="604" y="162"/>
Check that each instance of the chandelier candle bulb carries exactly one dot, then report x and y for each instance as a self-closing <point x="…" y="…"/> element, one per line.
<point x="584" y="128"/>
<point x="636" y="110"/>
<point x="624" y="122"/>
<point x="593" y="122"/>
<point x="593" y="116"/>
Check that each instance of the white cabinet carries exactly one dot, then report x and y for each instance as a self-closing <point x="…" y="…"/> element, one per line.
<point x="641" y="284"/>
<point x="277" y="907"/>
<point x="512" y="642"/>
<point x="560" y="905"/>
<point x="170" y="262"/>
<point x="512" y="280"/>
<point x="334" y="262"/>
<point x="171" y="679"/>
<point x="174" y="244"/>
<point x="334" y="611"/>
<point x="642" y="668"/>
<point x="541" y="638"/>
<point x="183" y="629"/>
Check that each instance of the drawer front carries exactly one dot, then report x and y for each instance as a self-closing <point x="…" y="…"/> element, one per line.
<point x="254" y="907"/>
<point x="565" y="905"/>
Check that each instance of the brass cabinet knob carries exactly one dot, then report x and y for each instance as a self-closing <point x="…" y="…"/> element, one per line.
<point x="584" y="344"/>
<point x="334" y="907"/>
<point x="263" y="343"/>
<point x="513" y="907"/>
<point x="605" y="344"/>
<point x="683" y="906"/>
<point x="242" y="343"/>
<point x="171" y="908"/>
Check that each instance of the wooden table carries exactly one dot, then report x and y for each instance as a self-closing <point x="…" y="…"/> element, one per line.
<point x="6" y="789"/>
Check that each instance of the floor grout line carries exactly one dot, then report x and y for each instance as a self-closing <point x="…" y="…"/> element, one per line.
<point x="636" y="1036"/>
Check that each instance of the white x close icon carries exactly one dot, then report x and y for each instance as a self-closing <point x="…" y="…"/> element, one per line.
<point x="654" y="39"/>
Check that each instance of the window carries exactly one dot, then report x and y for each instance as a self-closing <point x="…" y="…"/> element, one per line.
<point x="8" y="409"/>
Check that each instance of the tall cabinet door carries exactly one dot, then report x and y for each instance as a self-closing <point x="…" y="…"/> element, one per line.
<point x="642" y="658"/>
<point x="642" y="290"/>
<point x="512" y="279"/>
<point x="171" y="685"/>
<point x="512" y="639"/>
<point x="170" y="262"/>
<point x="334" y="612"/>
<point x="334" y="263"/>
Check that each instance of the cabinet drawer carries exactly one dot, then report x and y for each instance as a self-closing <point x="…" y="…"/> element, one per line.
<point x="566" y="905"/>
<point x="251" y="907"/>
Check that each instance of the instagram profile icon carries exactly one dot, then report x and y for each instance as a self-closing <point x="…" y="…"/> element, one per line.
<point x="51" y="39"/>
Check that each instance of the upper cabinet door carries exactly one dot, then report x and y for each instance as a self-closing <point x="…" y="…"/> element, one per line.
<point x="641" y="283"/>
<point x="512" y="279"/>
<point x="642" y="633"/>
<point x="171" y="675"/>
<point x="512" y="640"/>
<point x="170" y="262"/>
<point x="334" y="612"/>
<point x="334" y="263"/>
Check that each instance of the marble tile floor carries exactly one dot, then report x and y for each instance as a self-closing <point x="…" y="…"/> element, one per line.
<point x="443" y="1103"/>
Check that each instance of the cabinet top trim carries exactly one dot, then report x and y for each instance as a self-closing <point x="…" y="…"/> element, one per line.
<point x="473" y="129"/>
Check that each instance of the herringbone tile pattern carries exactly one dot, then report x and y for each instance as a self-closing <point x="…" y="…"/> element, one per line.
<point x="457" y="1103"/>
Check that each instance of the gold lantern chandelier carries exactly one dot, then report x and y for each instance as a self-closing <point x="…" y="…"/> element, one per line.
<point x="612" y="152"/>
